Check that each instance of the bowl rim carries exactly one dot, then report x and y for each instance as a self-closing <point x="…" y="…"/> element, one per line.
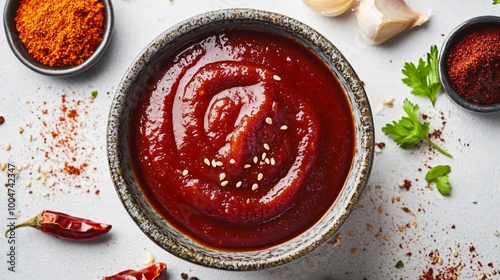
<point x="241" y="261"/>
<point x="448" y="43"/>
<point x="19" y="50"/>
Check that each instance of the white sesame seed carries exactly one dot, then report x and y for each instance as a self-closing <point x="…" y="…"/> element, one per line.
<point x="260" y="176"/>
<point x="53" y="183"/>
<point x="277" y="78"/>
<point x="224" y="183"/>
<point x="185" y="172"/>
<point x="30" y="137"/>
<point x="273" y="162"/>
<point x="38" y="176"/>
<point x="238" y="184"/>
<point x="38" y="167"/>
<point x="232" y="161"/>
<point x="269" y="120"/>
<point x="7" y="147"/>
<point x="28" y="184"/>
<point x="49" y="170"/>
<point x="255" y="159"/>
<point x="246" y="166"/>
<point x="45" y="194"/>
<point x="219" y="163"/>
<point x="207" y="161"/>
<point x="21" y="129"/>
<point x="454" y="253"/>
<point x="255" y="187"/>
<point x="3" y="165"/>
<point x="266" y="146"/>
<point x="266" y="160"/>
<point x="19" y="167"/>
<point x="284" y="127"/>
<point x="222" y="176"/>
<point x="214" y="163"/>
<point x="264" y="155"/>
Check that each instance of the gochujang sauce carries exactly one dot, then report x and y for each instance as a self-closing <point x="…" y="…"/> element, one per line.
<point x="243" y="140"/>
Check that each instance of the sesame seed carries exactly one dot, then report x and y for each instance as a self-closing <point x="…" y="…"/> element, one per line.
<point x="369" y="227"/>
<point x="381" y="209"/>
<point x="389" y="102"/>
<point x="7" y="147"/>
<point x="232" y="161"/>
<point x="28" y="184"/>
<point x="260" y="176"/>
<point x="266" y="146"/>
<point x="214" y="163"/>
<point x="387" y="238"/>
<point x="264" y="155"/>
<point x="246" y="166"/>
<point x="269" y="120"/>
<point x="454" y="253"/>
<point x="238" y="184"/>
<point x="38" y="176"/>
<point x="185" y="172"/>
<point x="219" y="163"/>
<point x="354" y="251"/>
<point x="49" y="170"/>
<point x="266" y="160"/>
<point x="224" y="183"/>
<point x="255" y="159"/>
<point x="222" y="176"/>
<point x="277" y="78"/>
<point x="255" y="187"/>
<point x="273" y="162"/>
<point x="207" y="161"/>
<point x="3" y="165"/>
<point x="21" y="129"/>
<point x="284" y="127"/>
<point x="53" y="183"/>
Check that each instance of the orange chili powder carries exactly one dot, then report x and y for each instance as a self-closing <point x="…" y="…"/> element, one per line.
<point x="60" y="32"/>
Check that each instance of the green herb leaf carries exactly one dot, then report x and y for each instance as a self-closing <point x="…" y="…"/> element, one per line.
<point x="94" y="93"/>
<point x="408" y="131"/>
<point x="496" y="2"/>
<point x="439" y="175"/>
<point x="424" y="78"/>
<point x="400" y="264"/>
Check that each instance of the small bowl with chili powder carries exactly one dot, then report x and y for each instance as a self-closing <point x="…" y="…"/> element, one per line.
<point x="58" y="37"/>
<point x="469" y="64"/>
<point x="240" y="139"/>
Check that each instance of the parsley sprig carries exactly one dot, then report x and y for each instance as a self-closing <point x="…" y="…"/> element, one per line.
<point x="496" y="2"/>
<point x="409" y="131"/>
<point x="439" y="175"/>
<point x="424" y="78"/>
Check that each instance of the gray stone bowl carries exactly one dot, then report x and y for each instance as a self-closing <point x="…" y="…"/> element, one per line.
<point x="455" y="35"/>
<point x="22" y="54"/>
<point x="136" y="77"/>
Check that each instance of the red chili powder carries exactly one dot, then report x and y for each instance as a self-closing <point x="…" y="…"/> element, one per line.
<point x="474" y="66"/>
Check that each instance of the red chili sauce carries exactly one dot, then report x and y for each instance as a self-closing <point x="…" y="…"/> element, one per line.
<point x="244" y="140"/>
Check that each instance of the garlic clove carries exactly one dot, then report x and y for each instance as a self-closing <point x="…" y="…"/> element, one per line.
<point x="380" y="20"/>
<point x="330" y="8"/>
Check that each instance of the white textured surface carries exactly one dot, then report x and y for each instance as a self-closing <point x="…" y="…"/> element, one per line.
<point x="467" y="218"/>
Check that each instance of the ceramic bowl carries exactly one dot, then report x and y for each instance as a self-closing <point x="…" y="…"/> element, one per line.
<point x="159" y="230"/>
<point x="455" y="35"/>
<point x="21" y="53"/>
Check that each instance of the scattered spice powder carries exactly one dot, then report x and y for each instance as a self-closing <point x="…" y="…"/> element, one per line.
<point x="474" y="66"/>
<point x="60" y="32"/>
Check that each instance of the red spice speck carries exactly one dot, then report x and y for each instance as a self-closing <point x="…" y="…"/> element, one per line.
<point x="2" y="119"/>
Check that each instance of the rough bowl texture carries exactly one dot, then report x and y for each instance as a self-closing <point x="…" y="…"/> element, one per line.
<point x="127" y="95"/>
<point x="21" y="53"/>
<point x="450" y="41"/>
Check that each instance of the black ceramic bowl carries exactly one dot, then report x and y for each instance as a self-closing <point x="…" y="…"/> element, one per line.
<point x="449" y="43"/>
<point x="128" y="95"/>
<point x="21" y="53"/>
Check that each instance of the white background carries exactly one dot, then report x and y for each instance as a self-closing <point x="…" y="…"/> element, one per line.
<point x="467" y="218"/>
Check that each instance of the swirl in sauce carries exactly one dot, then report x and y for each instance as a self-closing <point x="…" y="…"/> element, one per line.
<point x="244" y="141"/>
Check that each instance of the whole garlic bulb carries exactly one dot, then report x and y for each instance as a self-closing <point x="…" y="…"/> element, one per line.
<point x="330" y="8"/>
<point x="380" y="20"/>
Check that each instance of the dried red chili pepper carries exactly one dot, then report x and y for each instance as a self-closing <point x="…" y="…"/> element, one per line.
<point x="148" y="273"/>
<point x="64" y="226"/>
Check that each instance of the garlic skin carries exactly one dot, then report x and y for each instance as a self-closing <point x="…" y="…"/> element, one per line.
<point x="380" y="20"/>
<point x="329" y="8"/>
